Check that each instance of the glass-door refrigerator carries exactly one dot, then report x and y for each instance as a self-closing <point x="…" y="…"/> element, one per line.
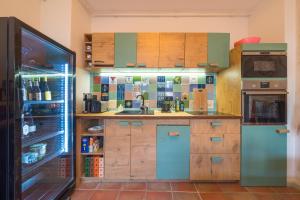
<point x="37" y="93"/>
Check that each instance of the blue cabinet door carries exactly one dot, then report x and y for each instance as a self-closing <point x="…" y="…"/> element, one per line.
<point x="218" y="49"/>
<point x="173" y="152"/>
<point x="125" y="49"/>
<point x="264" y="156"/>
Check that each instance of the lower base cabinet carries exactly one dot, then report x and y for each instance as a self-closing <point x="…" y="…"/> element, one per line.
<point x="219" y="167"/>
<point x="173" y="152"/>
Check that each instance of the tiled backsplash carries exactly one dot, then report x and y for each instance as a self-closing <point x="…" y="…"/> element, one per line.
<point x="124" y="89"/>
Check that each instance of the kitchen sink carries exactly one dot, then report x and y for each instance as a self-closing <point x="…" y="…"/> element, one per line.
<point x="135" y="112"/>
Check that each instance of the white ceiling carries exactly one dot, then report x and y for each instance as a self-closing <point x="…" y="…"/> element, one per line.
<point x="170" y="7"/>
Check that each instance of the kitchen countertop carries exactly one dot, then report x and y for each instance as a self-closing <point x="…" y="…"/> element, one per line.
<point x="159" y="114"/>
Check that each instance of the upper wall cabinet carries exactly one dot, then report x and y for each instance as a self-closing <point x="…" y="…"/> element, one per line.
<point x="125" y="49"/>
<point x="218" y="50"/>
<point x="195" y="49"/>
<point x="103" y="45"/>
<point x="171" y="49"/>
<point x="147" y="49"/>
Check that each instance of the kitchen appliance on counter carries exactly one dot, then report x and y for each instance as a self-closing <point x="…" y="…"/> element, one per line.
<point x="167" y="104"/>
<point x="92" y="105"/>
<point x="37" y="84"/>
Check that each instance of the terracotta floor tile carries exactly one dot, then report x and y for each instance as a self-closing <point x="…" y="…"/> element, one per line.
<point x="81" y="194"/>
<point x="88" y="185"/>
<point x="260" y="189"/>
<point x="185" y="196"/>
<point x="132" y="195"/>
<point x="288" y="197"/>
<point x="159" y="186"/>
<point x="213" y="196"/>
<point x="285" y="190"/>
<point x="183" y="186"/>
<point x="159" y="196"/>
<point x="266" y="196"/>
<point x="134" y="186"/>
<point x="104" y="195"/>
<point x="109" y="186"/>
<point x="208" y="187"/>
<point x="231" y="187"/>
<point x="239" y="196"/>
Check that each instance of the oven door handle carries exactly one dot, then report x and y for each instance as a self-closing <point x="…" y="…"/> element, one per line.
<point x="265" y="92"/>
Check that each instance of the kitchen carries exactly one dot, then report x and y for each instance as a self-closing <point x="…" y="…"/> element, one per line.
<point x="232" y="129"/>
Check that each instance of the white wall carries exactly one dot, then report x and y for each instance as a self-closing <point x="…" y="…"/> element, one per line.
<point x="81" y="24"/>
<point x="236" y="26"/>
<point x="26" y="10"/>
<point x="267" y="21"/>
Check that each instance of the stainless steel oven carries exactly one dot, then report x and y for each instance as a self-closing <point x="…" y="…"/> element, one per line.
<point x="264" y="103"/>
<point x="264" y="64"/>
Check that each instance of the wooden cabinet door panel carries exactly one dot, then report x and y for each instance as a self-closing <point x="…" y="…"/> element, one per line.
<point x="207" y="143"/>
<point x="143" y="132"/>
<point x="195" y="49"/>
<point x="103" y="45"/>
<point x="222" y="126"/>
<point x="143" y="162"/>
<point x="117" y="128"/>
<point x="171" y="49"/>
<point x="200" y="167"/>
<point x="147" y="49"/>
<point x="117" y="157"/>
<point x="232" y="143"/>
<point x="225" y="166"/>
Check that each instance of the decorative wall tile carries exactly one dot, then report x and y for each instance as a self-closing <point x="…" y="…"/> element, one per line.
<point x="104" y="80"/>
<point x="123" y="90"/>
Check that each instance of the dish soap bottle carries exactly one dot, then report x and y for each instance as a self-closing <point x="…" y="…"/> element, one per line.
<point x="177" y="105"/>
<point x="181" y="105"/>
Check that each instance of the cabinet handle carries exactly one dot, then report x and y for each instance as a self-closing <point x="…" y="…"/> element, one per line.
<point x="216" y="139"/>
<point x="123" y="123"/>
<point x="216" y="159"/>
<point x="178" y="65"/>
<point x="142" y="65"/>
<point x="202" y="65"/>
<point x="130" y="65"/>
<point x="172" y="134"/>
<point x="137" y="123"/>
<point x="99" y="61"/>
<point x="213" y="65"/>
<point x="215" y="124"/>
<point x="282" y="131"/>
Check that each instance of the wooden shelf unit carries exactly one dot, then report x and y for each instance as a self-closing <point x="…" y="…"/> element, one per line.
<point x="88" y="50"/>
<point x="82" y="126"/>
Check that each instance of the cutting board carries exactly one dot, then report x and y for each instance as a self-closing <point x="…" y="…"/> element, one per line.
<point x="200" y="100"/>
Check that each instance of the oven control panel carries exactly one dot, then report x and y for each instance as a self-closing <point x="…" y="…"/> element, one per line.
<point x="264" y="84"/>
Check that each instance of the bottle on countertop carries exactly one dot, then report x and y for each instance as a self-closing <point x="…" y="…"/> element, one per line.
<point x="177" y="105"/>
<point x="85" y="105"/>
<point x="181" y="105"/>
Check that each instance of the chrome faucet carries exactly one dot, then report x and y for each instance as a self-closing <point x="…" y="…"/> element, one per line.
<point x="143" y="107"/>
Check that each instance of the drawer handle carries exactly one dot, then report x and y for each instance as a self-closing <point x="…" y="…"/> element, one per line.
<point x="123" y="123"/>
<point x="172" y="134"/>
<point x="99" y="61"/>
<point x="130" y="65"/>
<point x="282" y="131"/>
<point x="137" y="123"/>
<point x="215" y="124"/>
<point x="141" y="65"/>
<point x="216" y="139"/>
<point x="178" y="65"/>
<point x="216" y="159"/>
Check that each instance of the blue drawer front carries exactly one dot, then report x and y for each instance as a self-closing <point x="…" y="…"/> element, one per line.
<point x="264" y="156"/>
<point x="173" y="152"/>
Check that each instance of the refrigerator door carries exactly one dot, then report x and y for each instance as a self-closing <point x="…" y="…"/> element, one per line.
<point x="44" y="115"/>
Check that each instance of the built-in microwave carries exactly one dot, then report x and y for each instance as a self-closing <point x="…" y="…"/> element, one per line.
<point x="264" y="64"/>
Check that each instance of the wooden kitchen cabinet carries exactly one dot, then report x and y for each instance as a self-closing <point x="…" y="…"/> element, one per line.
<point x="147" y="49"/>
<point x="218" y="50"/>
<point x="117" y="149"/>
<point x="215" y="149"/>
<point x="125" y="49"/>
<point x="143" y="149"/>
<point x="171" y="49"/>
<point x="103" y="45"/>
<point x="195" y="50"/>
<point x="130" y="149"/>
